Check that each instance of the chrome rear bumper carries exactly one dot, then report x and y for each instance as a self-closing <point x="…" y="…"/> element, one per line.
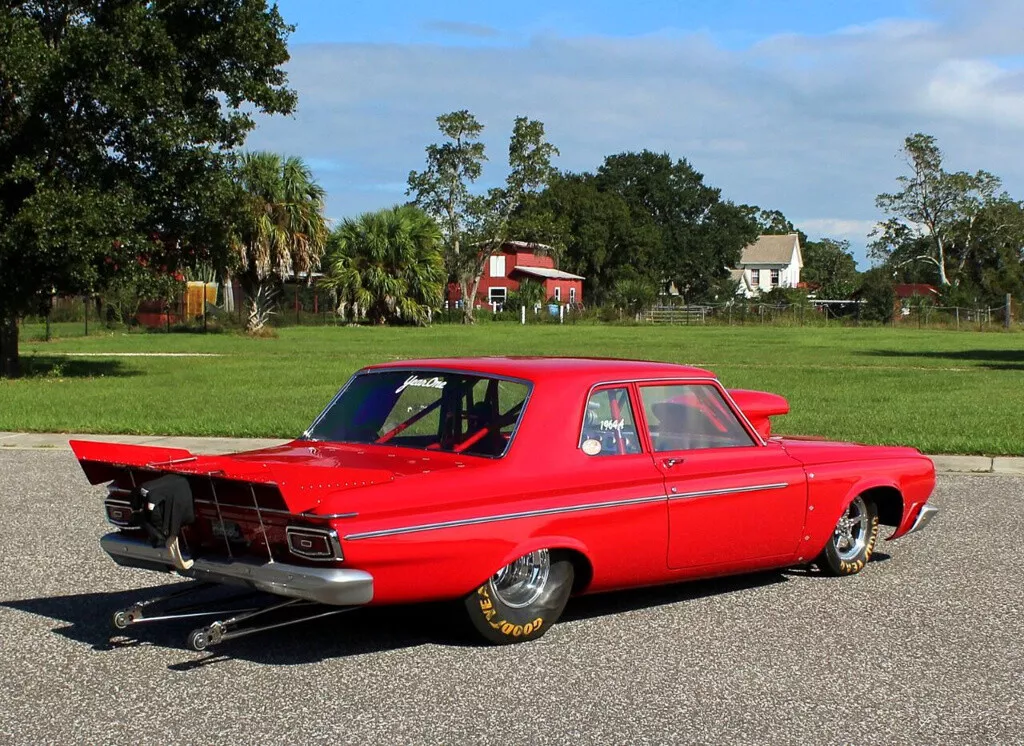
<point x="924" y="517"/>
<point x="327" y="585"/>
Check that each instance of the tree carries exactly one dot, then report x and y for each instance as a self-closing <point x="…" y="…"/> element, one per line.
<point x="998" y="266"/>
<point x="701" y="234"/>
<point x="878" y="295"/>
<point x="388" y="264"/>
<point x="279" y="228"/>
<point x="116" y="120"/>
<point x="634" y="295"/>
<point x="830" y="268"/>
<point x="594" y="232"/>
<point x="443" y="191"/>
<point x="774" y="223"/>
<point x="934" y="217"/>
<point x="529" y="295"/>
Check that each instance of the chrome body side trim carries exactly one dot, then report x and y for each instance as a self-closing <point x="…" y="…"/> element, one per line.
<point x="928" y="512"/>
<point x="327" y="585"/>
<point x="504" y="517"/>
<point x="555" y="511"/>
<point x="729" y="490"/>
<point x="324" y="516"/>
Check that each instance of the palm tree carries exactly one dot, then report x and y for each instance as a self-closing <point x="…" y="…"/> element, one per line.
<point x="387" y="265"/>
<point x="280" y="228"/>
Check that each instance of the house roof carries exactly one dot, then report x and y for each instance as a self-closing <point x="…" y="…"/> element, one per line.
<point x="547" y="273"/>
<point x="526" y="246"/>
<point x="771" y="249"/>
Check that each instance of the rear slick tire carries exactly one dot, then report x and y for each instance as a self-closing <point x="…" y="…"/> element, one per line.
<point x="853" y="539"/>
<point x="522" y="600"/>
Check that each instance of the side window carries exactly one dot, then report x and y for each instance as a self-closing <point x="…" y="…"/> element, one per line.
<point x="689" y="417"/>
<point x="608" y="425"/>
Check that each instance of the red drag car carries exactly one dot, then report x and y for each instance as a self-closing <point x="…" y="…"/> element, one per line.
<point x="509" y="484"/>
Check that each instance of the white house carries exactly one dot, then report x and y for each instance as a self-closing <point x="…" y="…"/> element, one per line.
<point x="770" y="262"/>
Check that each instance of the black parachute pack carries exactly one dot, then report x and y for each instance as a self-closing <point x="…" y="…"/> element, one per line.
<point x="164" y="506"/>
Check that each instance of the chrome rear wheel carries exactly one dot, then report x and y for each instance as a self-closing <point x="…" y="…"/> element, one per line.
<point x="522" y="582"/>
<point x="523" y="599"/>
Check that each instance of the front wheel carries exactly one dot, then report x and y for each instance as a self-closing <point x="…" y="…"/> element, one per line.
<point x="522" y="600"/>
<point x="852" y="541"/>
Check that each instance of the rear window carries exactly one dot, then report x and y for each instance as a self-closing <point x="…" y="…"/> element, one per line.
<point x="428" y="410"/>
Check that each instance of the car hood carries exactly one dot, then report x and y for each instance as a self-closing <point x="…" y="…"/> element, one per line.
<point x="811" y="450"/>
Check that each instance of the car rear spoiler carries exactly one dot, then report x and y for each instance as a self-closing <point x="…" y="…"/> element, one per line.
<point x="278" y="486"/>
<point x="759" y="406"/>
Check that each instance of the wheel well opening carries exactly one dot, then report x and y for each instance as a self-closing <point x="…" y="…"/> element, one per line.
<point x="889" y="502"/>
<point x="582" y="570"/>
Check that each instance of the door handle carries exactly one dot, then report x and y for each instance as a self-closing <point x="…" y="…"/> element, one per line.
<point x="670" y="462"/>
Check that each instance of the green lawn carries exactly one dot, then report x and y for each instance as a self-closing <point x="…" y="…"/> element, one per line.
<point x="942" y="391"/>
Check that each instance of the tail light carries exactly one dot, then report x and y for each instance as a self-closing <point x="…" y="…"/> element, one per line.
<point x="119" y="509"/>
<point x="314" y="543"/>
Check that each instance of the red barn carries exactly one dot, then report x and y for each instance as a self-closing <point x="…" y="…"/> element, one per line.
<point x="516" y="262"/>
<point x="916" y="289"/>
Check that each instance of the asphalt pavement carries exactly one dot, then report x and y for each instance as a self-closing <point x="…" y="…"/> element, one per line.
<point x="926" y="645"/>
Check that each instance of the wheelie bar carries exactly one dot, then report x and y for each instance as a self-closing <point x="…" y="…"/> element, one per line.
<point x="228" y="629"/>
<point x="156" y="610"/>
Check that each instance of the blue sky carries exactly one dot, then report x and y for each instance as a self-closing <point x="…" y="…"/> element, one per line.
<point x="734" y="23"/>
<point x="796" y="105"/>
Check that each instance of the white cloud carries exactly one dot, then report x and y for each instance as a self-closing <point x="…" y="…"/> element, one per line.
<point x="809" y="125"/>
<point x="851" y="230"/>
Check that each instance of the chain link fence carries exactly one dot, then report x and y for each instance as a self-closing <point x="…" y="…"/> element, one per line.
<point x="304" y="305"/>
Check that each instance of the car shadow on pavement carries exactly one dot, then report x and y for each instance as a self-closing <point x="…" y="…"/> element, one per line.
<point x="803" y="571"/>
<point x="87" y="617"/>
<point x="602" y="604"/>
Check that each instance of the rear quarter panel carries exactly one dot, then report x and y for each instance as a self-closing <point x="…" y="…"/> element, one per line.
<point x="625" y="544"/>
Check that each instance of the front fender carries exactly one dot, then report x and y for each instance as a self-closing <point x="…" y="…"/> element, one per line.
<point x="829" y="495"/>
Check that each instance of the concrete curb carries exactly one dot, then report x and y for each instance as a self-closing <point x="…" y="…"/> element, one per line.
<point x="59" y="441"/>
<point x="944" y="464"/>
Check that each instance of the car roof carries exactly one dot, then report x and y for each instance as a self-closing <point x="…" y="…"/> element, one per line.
<point x="537" y="368"/>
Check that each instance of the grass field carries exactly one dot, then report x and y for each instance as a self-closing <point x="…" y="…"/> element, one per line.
<point x="942" y="391"/>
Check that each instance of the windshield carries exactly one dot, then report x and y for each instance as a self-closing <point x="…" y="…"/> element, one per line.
<point x="430" y="410"/>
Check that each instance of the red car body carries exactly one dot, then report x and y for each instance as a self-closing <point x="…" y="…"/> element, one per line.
<point x="415" y="524"/>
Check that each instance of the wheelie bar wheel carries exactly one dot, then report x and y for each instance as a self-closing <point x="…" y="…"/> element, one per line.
<point x="198" y="640"/>
<point x="123" y="618"/>
<point x="204" y="637"/>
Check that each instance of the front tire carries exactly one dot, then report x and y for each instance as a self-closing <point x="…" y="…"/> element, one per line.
<point x="853" y="539"/>
<point x="522" y="600"/>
